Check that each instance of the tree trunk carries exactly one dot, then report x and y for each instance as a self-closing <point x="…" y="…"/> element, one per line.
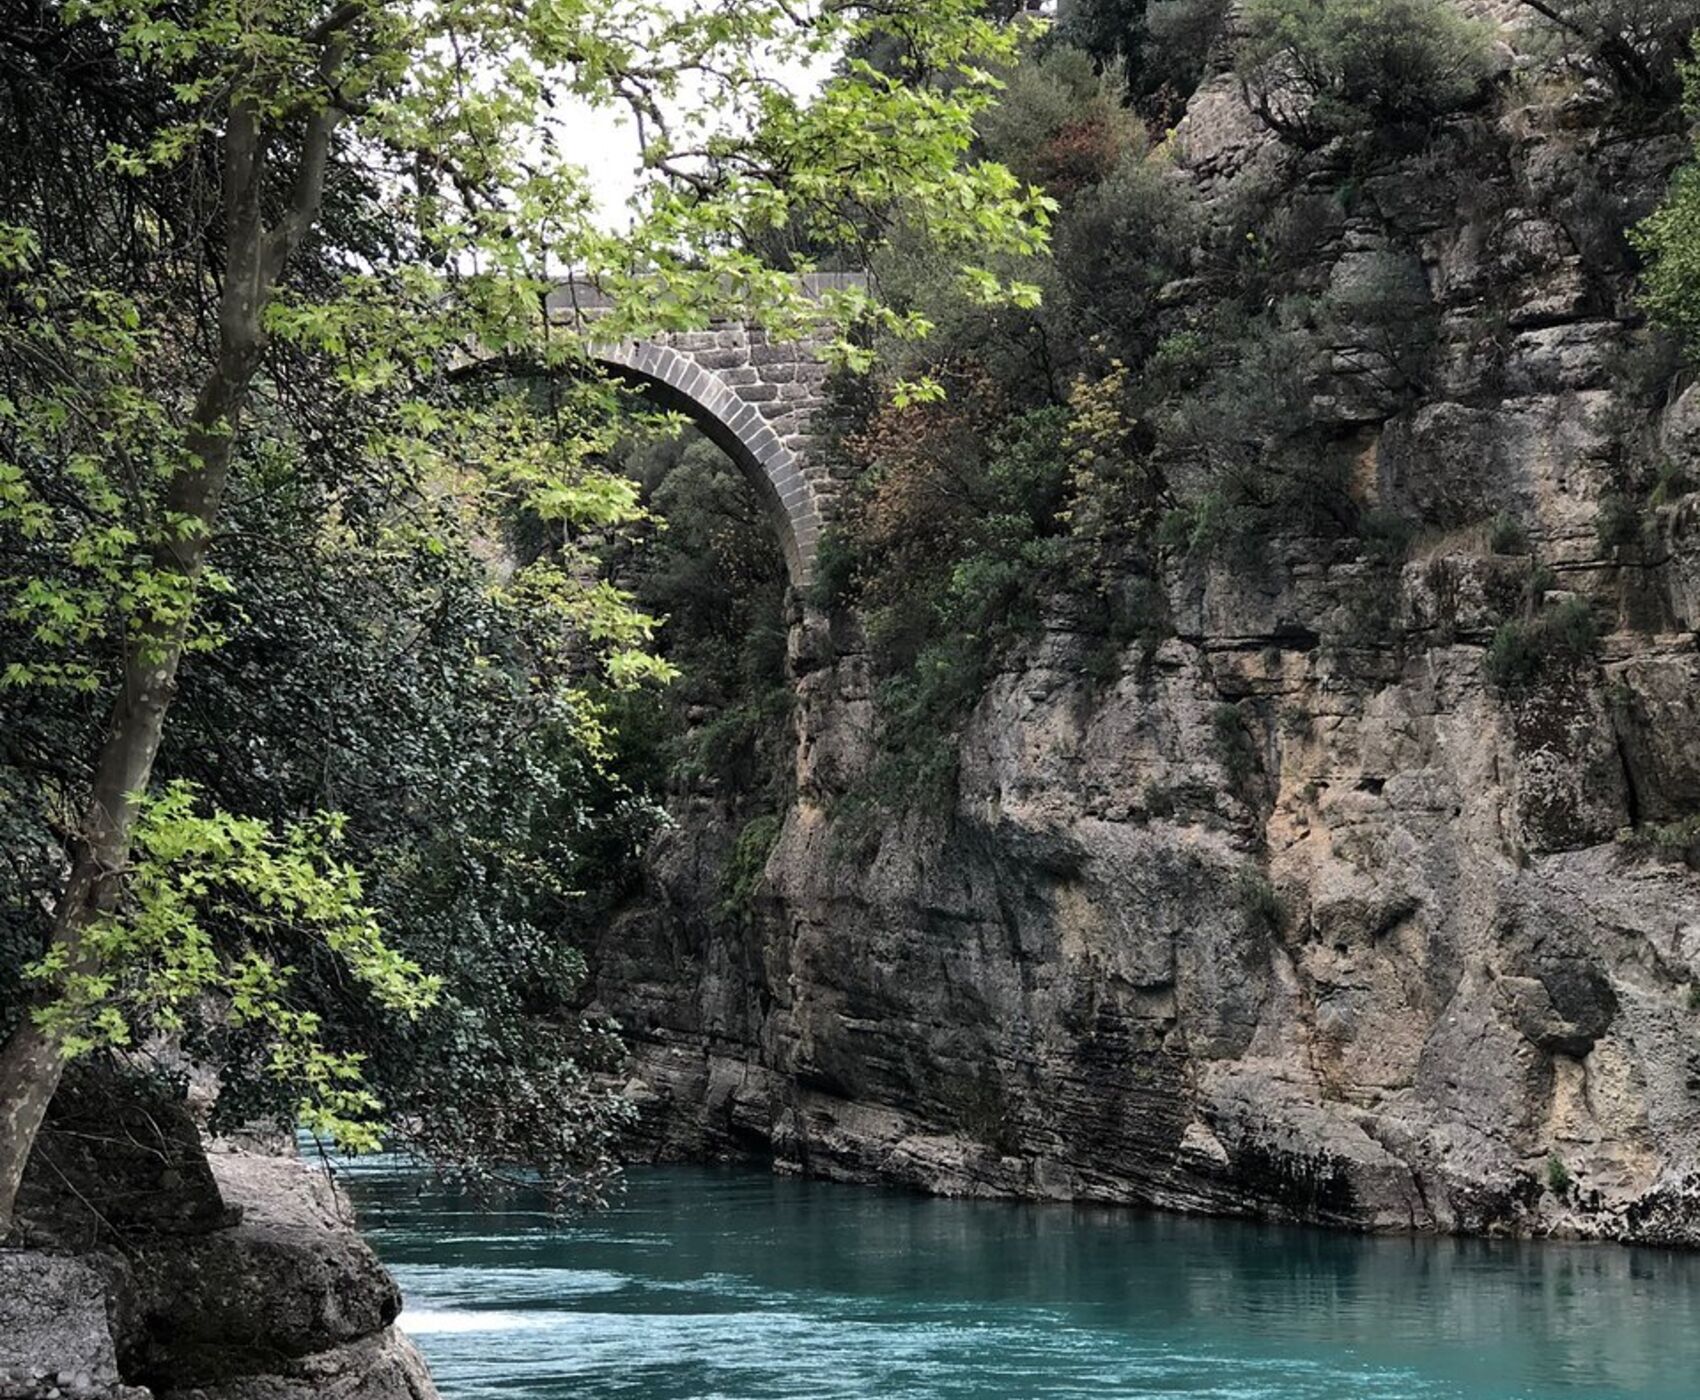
<point x="31" y="1064"/>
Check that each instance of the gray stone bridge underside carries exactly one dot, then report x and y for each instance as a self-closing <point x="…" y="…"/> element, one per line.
<point x="757" y="400"/>
<point x="768" y="437"/>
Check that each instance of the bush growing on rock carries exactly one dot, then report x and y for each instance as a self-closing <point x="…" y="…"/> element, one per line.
<point x="1058" y="123"/>
<point x="953" y="540"/>
<point x="1525" y="652"/>
<point x="1159" y="48"/>
<point x="1380" y="324"/>
<point x="1259" y="903"/>
<point x="1121" y="242"/>
<point x="1316" y="69"/>
<point x="1242" y="446"/>
<point x="1619" y="525"/>
<point x="1507" y="535"/>
<point x="1638" y="44"/>
<point x="745" y="865"/>
<point x="1677" y="840"/>
<point x="1235" y="748"/>
<point x="1669" y="239"/>
<point x="1184" y="36"/>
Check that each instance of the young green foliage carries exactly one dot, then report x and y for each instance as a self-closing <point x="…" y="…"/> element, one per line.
<point x="153" y="960"/>
<point x="324" y="241"/>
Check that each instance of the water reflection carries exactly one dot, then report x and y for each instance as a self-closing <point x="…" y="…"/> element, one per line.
<point x="733" y="1283"/>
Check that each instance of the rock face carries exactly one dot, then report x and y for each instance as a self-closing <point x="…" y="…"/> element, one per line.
<point x="195" y="1276"/>
<point x="1299" y="914"/>
<point x="58" y="1333"/>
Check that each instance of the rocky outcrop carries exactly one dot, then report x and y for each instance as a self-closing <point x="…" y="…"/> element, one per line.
<point x="149" y="1267"/>
<point x="1302" y="913"/>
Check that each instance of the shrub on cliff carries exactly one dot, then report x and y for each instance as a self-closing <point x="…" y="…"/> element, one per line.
<point x="1239" y="442"/>
<point x="746" y="863"/>
<point x="1638" y="44"/>
<point x="1059" y="124"/>
<point x="1160" y="48"/>
<point x="1112" y="32"/>
<point x="1117" y="246"/>
<point x="948" y="547"/>
<point x="1315" y="69"/>
<point x="1528" y="651"/>
<point x="1669" y="239"/>
<point x="1184" y="36"/>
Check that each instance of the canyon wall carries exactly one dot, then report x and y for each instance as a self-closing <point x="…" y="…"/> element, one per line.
<point x="1305" y="910"/>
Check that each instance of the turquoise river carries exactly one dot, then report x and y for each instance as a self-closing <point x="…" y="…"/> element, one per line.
<point x="727" y="1284"/>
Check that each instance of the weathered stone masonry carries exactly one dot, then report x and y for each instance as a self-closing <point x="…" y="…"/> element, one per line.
<point x="757" y="399"/>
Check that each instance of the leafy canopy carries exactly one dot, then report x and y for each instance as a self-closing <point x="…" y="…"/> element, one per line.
<point x="155" y="957"/>
<point x="320" y="240"/>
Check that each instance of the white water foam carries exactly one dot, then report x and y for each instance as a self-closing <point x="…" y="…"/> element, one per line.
<point x="426" y="1322"/>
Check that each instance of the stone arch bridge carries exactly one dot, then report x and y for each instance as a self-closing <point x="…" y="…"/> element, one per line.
<point x="757" y="400"/>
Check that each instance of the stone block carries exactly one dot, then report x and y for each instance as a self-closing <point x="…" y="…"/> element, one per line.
<point x="720" y="359"/>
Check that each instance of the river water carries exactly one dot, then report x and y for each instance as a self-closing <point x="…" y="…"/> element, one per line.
<point x="731" y="1283"/>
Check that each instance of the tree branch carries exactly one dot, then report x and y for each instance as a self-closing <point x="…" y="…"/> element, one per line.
<point x="309" y="189"/>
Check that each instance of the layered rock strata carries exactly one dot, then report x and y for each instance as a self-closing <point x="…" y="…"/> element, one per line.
<point x="1299" y="913"/>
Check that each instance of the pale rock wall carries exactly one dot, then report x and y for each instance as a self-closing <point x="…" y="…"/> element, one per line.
<point x="1065" y="988"/>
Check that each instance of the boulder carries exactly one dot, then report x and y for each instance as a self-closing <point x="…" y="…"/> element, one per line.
<point x="386" y="1366"/>
<point x="291" y="1279"/>
<point x="116" y="1159"/>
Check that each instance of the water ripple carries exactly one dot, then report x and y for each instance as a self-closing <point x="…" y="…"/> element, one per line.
<point x="724" y="1285"/>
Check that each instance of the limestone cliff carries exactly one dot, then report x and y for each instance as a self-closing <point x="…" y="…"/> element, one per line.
<point x="1364" y="948"/>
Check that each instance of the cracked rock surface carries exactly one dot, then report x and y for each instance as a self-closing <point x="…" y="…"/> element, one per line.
<point x="1395" y="972"/>
<point x="148" y="1266"/>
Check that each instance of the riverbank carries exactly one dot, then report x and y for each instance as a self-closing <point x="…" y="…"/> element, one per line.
<point x="145" y="1267"/>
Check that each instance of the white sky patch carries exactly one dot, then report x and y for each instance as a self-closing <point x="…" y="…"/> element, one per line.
<point x="604" y="140"/>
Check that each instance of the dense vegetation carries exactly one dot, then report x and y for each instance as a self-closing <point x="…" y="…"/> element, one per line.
<point x="304" y="769"/>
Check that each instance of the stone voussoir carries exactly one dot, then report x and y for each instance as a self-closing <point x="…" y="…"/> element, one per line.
<point x="758" y="398"/>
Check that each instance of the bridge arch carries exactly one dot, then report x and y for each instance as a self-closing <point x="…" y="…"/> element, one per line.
<point x="677" y="381"/>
